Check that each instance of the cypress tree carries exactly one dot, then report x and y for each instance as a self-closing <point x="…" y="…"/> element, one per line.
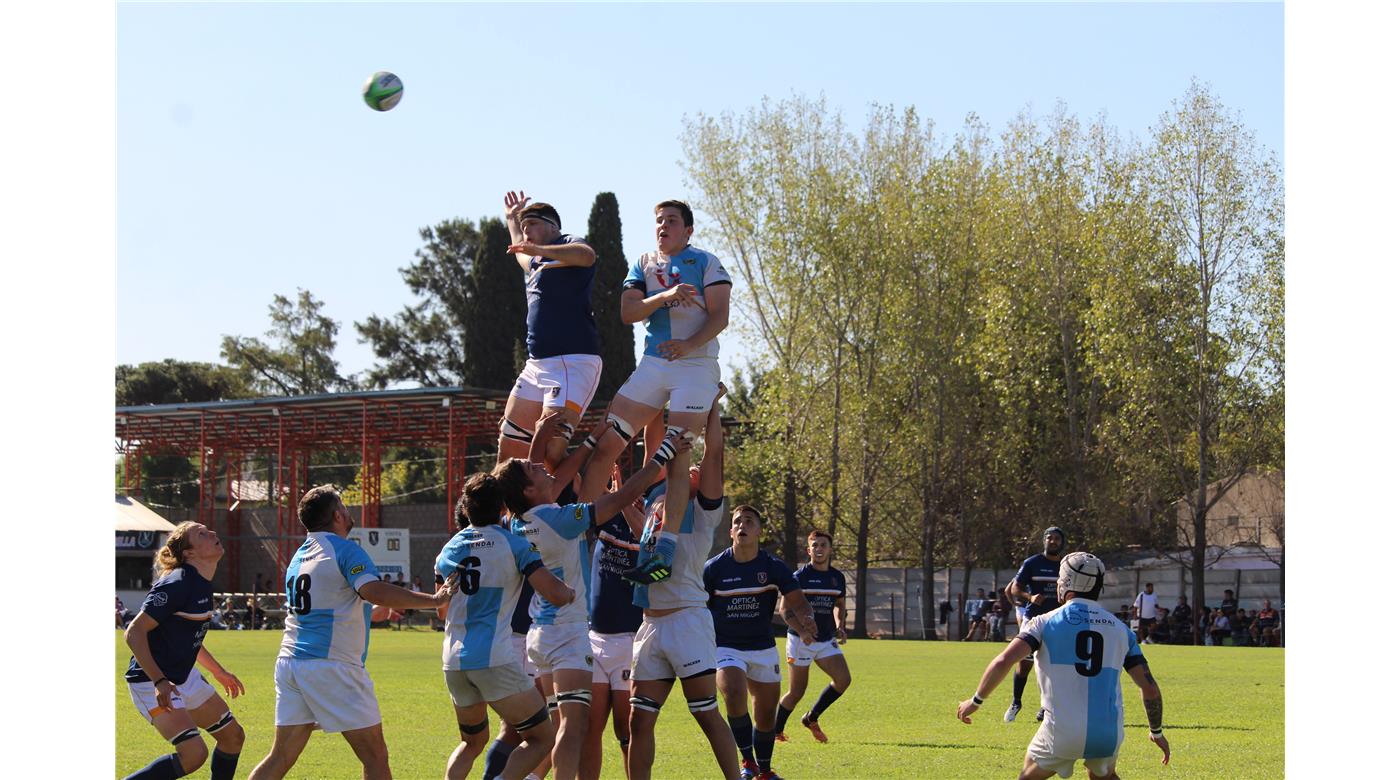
<point x="605" y="236"/>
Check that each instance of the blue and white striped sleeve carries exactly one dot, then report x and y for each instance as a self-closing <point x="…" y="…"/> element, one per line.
<point x="355" y="564"/>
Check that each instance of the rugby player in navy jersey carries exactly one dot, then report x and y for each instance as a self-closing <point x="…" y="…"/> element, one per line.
<point x="561" y="337"/>
<point x="744" y="584"/>
<point x="612" y="625"/>
<point x="166" y="639"/>
<point x="825" y="589"/>
<point x="1034" y="584"/>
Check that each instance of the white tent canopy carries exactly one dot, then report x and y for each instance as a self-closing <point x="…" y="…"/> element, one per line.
<point x="132" y="515"/>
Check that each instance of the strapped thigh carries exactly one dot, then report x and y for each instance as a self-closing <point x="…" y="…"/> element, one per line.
<point x="532" y="721"/>
<point x="184" y="735"/>
<point x="221" y="722"/>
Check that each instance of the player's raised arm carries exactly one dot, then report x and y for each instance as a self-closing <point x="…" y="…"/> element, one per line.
<point x="610" y="504"/>
<point x="515" y="201"/>
<point x="712" y="467"/>
<point x="1151" y="702"/>
<point x="574" y="253"/>
<point x="996" y="672"/>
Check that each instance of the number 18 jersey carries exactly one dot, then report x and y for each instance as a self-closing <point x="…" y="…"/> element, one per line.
<point x="1080" y="651"/>
<point x="326" y="618"/>
<point x="491" y="563"/>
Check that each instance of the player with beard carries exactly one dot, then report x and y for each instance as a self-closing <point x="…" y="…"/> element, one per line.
<point x="1034" y="583"/>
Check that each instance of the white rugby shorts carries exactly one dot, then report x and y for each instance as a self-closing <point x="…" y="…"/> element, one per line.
<point x="800" y="653"/>
<point x="689" y="384"/>
<point x="517" y="641"/>
<point x="1042" y="750"/>
<point x="559" y="646"/>
<point x="681" y="644"/>
<point x="188" y="695"/>
<point x="336" y="695"/>
<point x="562" y="382"/>
<point x="474" y="686"/>
<point x="758" y="665"/>
<point x="612" y="659"/>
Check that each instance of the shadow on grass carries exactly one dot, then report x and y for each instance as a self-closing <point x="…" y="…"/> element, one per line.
<point x="1210" y="727"/>
<point x="937" y="745"/>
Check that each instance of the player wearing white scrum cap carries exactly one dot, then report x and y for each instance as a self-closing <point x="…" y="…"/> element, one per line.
<point x="1080" y="649"/>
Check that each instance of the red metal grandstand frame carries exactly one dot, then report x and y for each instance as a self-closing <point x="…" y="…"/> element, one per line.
<point x="221" y="433"/>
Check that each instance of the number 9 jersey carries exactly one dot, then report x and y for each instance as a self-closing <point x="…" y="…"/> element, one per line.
<point x="491" y="564"/>
<point x="1080" y="651"/>
<point x="326" y="618"/>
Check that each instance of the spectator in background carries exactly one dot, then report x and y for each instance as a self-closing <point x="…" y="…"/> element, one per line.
<point x="1161" y="631"/>
<point x="255" y="616"/>
<point x="401" y="582"/>
<point x="1228" y="605"/>
<point x="1219" y="628"/>
<point x="944" y="609"/>
<point x="1181" y="622"/>
<point x="1239" y="628"/>
<point x="1265" y="626"/>
<point x="123" y="614"/>
<point x="417" y="585"/>
<point x="1204" y="618"/>
<point x="1145" y="610"/>
<point x="976" y="609"/>
<point x="997" y="621"/>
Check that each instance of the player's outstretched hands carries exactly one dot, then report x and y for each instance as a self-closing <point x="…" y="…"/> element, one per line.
<point x="515" y="201"/>
<point x="965" y="710"/>
<point x="1161" y="742"/>
<point x="232" y="685"/>
<point x="676" y="441"/>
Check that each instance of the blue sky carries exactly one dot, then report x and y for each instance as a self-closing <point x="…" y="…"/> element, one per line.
<point x="247" y="165"/>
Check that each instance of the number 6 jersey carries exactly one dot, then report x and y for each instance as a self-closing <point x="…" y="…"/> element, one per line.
<point x="326" y="618"/>
<point x="491" y="563"/>
<point x="1080" y="650"/>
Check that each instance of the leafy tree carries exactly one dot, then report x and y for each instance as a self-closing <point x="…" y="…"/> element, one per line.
<point x="177" y="381"/>
<point x="300" y="360"/>
<point x="468" y="326"/>
<point x="615" y="336"/>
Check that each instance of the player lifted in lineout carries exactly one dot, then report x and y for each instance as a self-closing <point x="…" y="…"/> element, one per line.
<point x="744" y="583"/>
<point x="1034" y="584"/>
<point x="825" y="589"/>
<point x="1080" y="649"/>
<point x="683" y="295"/>
<point x="565" y="361"/>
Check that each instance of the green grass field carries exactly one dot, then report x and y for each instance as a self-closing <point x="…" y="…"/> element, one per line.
<point x="1224" y="715"/>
